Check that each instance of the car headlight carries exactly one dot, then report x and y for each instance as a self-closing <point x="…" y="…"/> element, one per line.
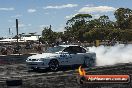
<point x="27" y="59"/>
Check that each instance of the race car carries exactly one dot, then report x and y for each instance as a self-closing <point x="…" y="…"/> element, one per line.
<point x="62" y="55"/>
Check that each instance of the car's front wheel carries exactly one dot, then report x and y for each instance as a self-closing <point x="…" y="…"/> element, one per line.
<point x="53" y="65"/>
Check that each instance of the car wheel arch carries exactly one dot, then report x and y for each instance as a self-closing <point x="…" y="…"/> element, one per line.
<point x="52" y="60"/>
<point x="89" y="61"/>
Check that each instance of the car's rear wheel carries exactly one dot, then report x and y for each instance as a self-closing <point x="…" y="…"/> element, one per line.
<point x="53" y="65"/>
<point x="89" y="62"/>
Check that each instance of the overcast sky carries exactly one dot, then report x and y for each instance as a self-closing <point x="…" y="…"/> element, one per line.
<point x="33" y="15"/>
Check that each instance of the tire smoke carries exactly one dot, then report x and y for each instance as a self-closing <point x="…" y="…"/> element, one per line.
<point x="111" y="55"/>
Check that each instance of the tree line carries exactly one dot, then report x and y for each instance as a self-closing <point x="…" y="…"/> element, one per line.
<point x="83" y="28"/>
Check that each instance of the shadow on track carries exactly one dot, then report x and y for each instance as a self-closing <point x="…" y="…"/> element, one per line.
<point x="66" y="68"/>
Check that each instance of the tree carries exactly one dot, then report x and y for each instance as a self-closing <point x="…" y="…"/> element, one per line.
<point x="102" y="22"/>
<point x="82" y="28"/>
<point x="123" y="16"/>
<point x="79" y="19"/>
<point x="95" y="23"/>
<point x="48" y="35"/>
<point x="77" y="25"/>
<point x="105" y="22"/>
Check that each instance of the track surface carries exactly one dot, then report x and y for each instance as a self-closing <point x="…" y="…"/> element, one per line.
<point x="61" y="79"/>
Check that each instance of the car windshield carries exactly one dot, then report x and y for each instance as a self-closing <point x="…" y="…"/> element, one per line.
<point x="54" y="49"/>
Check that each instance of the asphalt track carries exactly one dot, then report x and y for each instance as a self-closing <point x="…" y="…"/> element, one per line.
<point x="64" y="78"/>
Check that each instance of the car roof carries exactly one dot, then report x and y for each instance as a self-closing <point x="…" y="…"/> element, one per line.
<point x="67" y="45"/>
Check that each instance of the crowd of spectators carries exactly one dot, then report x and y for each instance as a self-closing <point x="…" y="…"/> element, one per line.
<point x="21" y="48"/>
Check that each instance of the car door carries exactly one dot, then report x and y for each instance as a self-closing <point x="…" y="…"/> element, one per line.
<point x="73" y="59"/>
<point x="79" y="55"/>
<point x="65" y="58"/>
<point x="75" y="56"/>
<point x="70" y="56"/>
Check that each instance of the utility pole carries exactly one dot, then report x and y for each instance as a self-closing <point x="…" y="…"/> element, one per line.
<point x="50" y="27"/>
<point x="17" y="29"/>
<point x="17" y="37"/>
<point x="9" y="31"/>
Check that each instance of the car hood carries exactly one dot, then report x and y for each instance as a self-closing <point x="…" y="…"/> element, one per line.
<point x="43" y="55"/>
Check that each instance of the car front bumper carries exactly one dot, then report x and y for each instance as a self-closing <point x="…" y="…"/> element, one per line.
<point x="37" y="64"/>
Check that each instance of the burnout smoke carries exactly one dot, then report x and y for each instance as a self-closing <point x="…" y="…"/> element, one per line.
<point x="111" y="55"/>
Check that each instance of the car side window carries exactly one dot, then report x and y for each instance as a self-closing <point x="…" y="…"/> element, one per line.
<point x="68" y="49"/>
<point x="74" y="49"/>
<point x="83" y="50"/>
<point x="79" y="49"/>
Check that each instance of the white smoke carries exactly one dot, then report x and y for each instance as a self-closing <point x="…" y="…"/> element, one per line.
<point x="113" y="54"/>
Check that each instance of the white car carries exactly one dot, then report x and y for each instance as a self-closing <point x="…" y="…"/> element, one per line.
<point x="62" y="55"/>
